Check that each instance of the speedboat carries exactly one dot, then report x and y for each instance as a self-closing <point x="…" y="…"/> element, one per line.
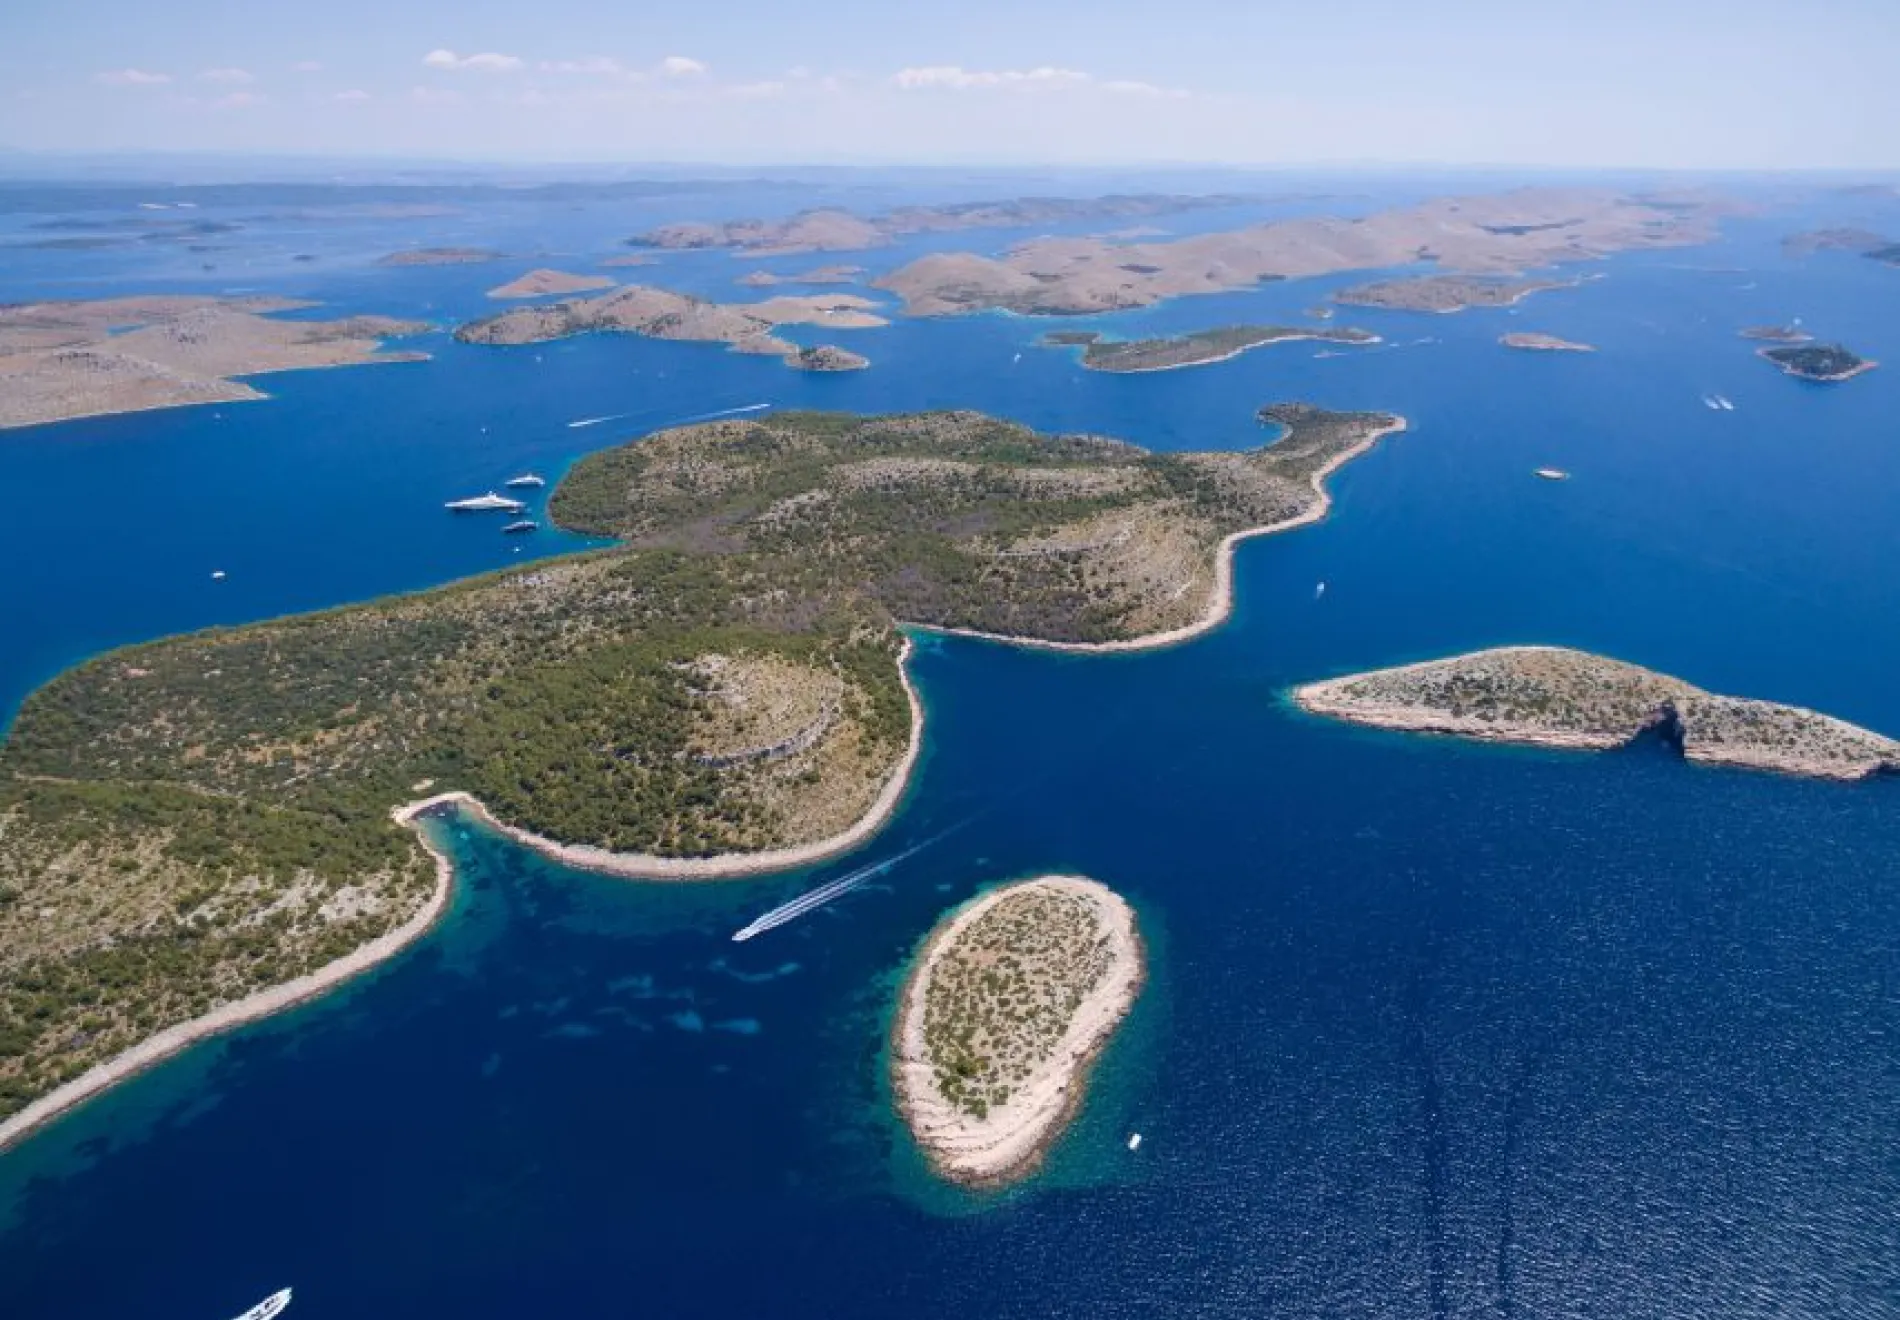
<point x="269" y="1307"/>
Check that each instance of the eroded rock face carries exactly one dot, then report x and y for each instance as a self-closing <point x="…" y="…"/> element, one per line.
<point x="1549" y="696"/>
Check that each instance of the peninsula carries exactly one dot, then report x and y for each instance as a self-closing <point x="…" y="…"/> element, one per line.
<point x="1825" y="363"/>
<point x="1011" y="1000"/>
<point x="1497" y="236"/>
<point x="1193" y="349"/>
<point x="441" y="256"/>
<point x="1552" y="697"/>
<point x="1443" y="293"/>
<point x="660" y="314"/>
<point x="543" y="283"/>
<point x="62" y="360"/>
<point x="1536" y="343"/>
<point x="831" y="229"/>
<point x="191" y="822"/>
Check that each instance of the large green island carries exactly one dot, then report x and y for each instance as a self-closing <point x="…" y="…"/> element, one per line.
<point x="1009" y="1002"/>
<point x="199" y="830"/>
<point x="1552" y="697"/>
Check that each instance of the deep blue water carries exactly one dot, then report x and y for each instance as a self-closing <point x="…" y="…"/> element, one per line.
<point x="1433" y="1029"/>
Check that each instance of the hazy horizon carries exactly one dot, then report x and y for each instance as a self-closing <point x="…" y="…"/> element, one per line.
<point x="1700" y="86"/>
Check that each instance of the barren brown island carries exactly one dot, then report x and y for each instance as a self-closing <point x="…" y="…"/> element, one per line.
<point x="1010" y="1001"/>
<point x="1550" y="697"/>
<point x="194" y="832"/>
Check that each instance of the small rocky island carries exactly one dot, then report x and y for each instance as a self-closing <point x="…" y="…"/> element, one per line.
<point x="827" y="357"/>
<point x="543" y="283"/>
<point x="1537" y="343"/>
<point x="441" y="256"/>
<point x="1190" y="350"/>
<point x="1553" y="697"/>
<point x="1826" y="363"/>
<point x="1444" y="293"/>
<point x="1010" y="1001"/>
<point x="765" y="279"/>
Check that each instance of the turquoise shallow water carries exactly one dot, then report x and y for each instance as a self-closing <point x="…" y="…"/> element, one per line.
<point x="1433" y="1030"/>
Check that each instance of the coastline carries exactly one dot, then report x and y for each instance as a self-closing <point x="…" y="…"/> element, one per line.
<point x="1220" y="602"/>
<point x="721" y="866"/>
<point x="155" y="1049"/>
<point x="1012" y="1141"/>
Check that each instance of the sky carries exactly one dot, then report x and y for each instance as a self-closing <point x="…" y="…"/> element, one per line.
<point x="1675" y="84"/>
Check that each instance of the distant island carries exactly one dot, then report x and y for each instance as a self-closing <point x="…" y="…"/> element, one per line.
<point x="441" y="256"/>
<point x="1552" y="697"/>
<point x="193" y="824"/>
<point x="660" y="314"/>
<point x="1776" y="334"/>
<point x="1534" y="342"/>
<point x="1443" y="293"/>
<point x="1192" y="349"/>
<point x="765" y="279"/>
<point x="1860" y="242"/>
<point x="542" y="283"/>
<point x="1493" y="237"/>
<point x="831" y="229"/>
<point x="63" y="360"/>
<point x="1826" y="363"/>
<point x="628" y="259"/>
<point x="827" y="357"/>
<point x="1010" y="1001"/>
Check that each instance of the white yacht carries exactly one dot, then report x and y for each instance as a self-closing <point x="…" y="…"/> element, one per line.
<point x="489" y="503"/>
<point x="269" y="1307"/>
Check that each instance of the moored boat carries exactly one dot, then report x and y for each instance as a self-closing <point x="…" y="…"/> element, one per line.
<point x="489" y="503"/>
<point x="525" y="525"/>
<point x="526" y="479"/>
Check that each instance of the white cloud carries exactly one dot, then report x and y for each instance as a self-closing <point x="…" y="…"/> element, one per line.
<point x="238" y="100"/>
<point x="957" y="78"/>
<point x="307" y="66"/>
<point x="485" y="62"/>
<point x="679" y="66"/>
<point x="1128" y="87"/>
<point x="131" y="78"/>
<point x="594" y="66"/>
<point x="353" y="94"/>
<point x="237" y="77"/>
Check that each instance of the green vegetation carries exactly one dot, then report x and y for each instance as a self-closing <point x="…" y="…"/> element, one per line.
<point x="184" y="821"/>
<point x="1822" y="362"/>
<point x="1004" y="991"/>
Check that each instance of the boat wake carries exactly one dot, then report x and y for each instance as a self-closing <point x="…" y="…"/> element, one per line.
<point x="723" y="412"/>
<point x="596" y="421"/>
<point x="816" y="898"/>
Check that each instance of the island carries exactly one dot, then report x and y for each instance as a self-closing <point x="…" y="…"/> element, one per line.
<point x="661" y="314"/>
<point x="440" y="256"/>
<point x="1443" y="293"/>
<point x="827" y="357"/>
<point x="1825" y="363"/>
<point x="1860" y="242"/>
<point x="1537" y="343"/>
<point x="1497" y="236"/>
<point x="1776" y="334"/>
<point x="765" y="279"/>
<point x="542" y="283"/>
<point x="193" y="823"/>
<point x="64" y="360"/>
<point x="1190" y="350"/>
<point x="832" y="229"/>
<point x="628" y="259"/>
<point x="1553" y="697"/>
<point x="1009" y="1003"/>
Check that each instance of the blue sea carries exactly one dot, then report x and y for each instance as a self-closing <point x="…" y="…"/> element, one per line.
<point x="1432" y="1029"/>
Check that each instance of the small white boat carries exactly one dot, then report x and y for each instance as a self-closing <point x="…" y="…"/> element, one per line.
<point x="1722" y="402"/>
<point x="1709" y="402"/>
<point x="270" y="1306"/>
<point x="1134" y="1141"/>
<point x="1553" y="474"/>
<point x="524" y="480"/>
<point x="217" y="575"/>
<point x="1319" y="591"/>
